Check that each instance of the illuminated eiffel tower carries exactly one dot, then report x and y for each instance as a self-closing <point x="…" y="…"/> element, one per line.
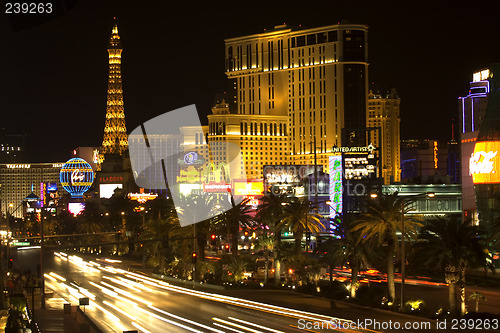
<point x="115" y="133"/>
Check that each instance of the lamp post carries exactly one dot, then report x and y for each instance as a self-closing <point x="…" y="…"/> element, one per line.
<point x="403" y="254"/>
<point x="308" y="235"/>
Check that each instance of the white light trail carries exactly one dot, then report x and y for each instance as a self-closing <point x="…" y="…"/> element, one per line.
<point x="255" y="325"/>
<point x="236" y="325"/>
<point x="186" y="320"/>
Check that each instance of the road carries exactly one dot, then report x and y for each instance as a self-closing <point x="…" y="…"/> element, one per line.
<point x="122" y="301"/>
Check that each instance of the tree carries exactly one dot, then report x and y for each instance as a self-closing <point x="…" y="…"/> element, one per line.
<point x="266" y="243"/>
<point x="230" y="222"/>
<point x="476" y="297"/>
<point x="451" y="245"/>
<point x="195" y="205"/>
<point x="379" y="223"/>
<point x="270" y="212"/>
<point x="162" y="223"/>
<point x="297" y="217"/>
<point x="344" y="249"/>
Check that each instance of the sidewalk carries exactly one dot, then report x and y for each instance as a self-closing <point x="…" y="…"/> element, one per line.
<point x="53" y="318"/>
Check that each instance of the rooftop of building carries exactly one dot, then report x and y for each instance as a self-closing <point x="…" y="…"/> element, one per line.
<point x="284" y="28"/>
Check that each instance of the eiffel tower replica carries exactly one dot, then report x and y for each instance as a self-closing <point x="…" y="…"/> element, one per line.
<point x="114" y="162"/>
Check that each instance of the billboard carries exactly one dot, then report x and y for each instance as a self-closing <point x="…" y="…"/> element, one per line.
<point x="250" y="188"/>
<point x="76" y="208"/>
<point x="484" y="163"/>
<point x="288" y="179"/>
<point x="107" y="190"/>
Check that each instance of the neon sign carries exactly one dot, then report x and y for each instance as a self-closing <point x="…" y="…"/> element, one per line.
<point x="335" y="185"/>
<point x="248" y="188"/>
<point x="484" y="163"/>
<point x="76" y="177"/>
<point x="435" y="155"/>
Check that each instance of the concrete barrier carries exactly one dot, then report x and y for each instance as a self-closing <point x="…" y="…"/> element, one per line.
<point x="188" y="283"/>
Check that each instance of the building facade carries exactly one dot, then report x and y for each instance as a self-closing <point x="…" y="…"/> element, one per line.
<point x="317" y="78"/>
<point x="428" y="161"/>
<point x="262" y="140"/>
<point x="17" y="181"/>
<point x="471" y="112"/>
<point x="12" y="146"/>
<point x="383" y="114"/>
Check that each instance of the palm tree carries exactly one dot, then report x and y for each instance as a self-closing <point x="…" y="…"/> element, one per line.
<point x="196" y="205"/>
<point x="451" y="245"/>
<point x="344" y="249"/>
<point x="270" y="212"/>
<point x="379" y="224"/>
<point x="297" y="217"/>
<point x="161" y="225"/>
<point x="476" y="297"/>
<point x="230" y="222"/>
<point x="266" y="243"/>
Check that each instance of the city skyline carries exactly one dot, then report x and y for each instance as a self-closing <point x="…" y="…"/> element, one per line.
<point x="57" y="67"/>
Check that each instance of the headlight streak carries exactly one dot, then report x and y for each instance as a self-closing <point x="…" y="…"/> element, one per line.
<point x="125" y="293"/>
<point x="228" y="328"/>
<point x="236" y="325"/>
<point x="57" y="276"/>
<point x="140" y="327"/>
<point x="169" y="321"/>
<point x="137" y="284"/>
<point x="139" y="280"/>
<point x="240" y="302"/>
<point x="119" y="310"/>
<point x="87" y="293"/>
<point x="104" y="290"/>
<point x="186" y="320"/>
<point x="115" y="319"/>
<point x="50" y="277"/>
<point x="255" y="325"/>
<point x="122" y="283"/>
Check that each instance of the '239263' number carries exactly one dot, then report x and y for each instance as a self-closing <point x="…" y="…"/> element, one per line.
<point x="28" y="8"/>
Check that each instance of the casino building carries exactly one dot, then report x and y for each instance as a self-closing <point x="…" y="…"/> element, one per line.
<point x="17" y="181"/>
<point x="471" y="112"/>
<point x="484" y="162"/>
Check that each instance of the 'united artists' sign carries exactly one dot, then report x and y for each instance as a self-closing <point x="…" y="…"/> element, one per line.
<point x="368" y="149"/>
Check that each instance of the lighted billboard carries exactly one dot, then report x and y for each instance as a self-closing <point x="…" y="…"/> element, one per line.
<point x="484" y="163"/>
<point x="107" y="190"/>
<point x="76" y="208"/>
<point x="249" y="188"/>
<point x="336" y="198"/>
<point x="76" y="177"/>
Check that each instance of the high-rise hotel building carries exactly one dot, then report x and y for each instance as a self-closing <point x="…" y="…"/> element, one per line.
<point x="383" y="116"/>
<point x="314" y="81"/>
<point x="471" y="112"/>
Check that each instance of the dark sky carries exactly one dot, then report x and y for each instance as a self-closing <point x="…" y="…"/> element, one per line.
<point x="54" y="75"/>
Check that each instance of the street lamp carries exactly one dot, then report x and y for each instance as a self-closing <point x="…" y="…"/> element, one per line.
<point x="403" y="255"/>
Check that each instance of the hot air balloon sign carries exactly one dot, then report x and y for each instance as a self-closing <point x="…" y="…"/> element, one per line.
<point x="76" y="177"/>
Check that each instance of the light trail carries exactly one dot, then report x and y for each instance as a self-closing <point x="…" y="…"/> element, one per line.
<point x="236" y="325"/>
<point x="186" y="320"/>
<point x="140" y="327"/>
<point x="255" y="325"/>
<point x="169" y="321"/>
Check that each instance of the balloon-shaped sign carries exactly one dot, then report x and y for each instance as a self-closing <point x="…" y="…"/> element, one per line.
<point x="76" y="177"/>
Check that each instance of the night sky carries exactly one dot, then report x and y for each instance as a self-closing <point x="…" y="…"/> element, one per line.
<point x="54" y="75"/>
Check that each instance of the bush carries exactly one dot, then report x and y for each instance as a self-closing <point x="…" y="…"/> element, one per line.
<point x="371" y="294"/>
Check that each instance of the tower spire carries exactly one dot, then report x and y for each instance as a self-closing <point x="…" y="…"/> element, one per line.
<point x="115" y="133"/>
